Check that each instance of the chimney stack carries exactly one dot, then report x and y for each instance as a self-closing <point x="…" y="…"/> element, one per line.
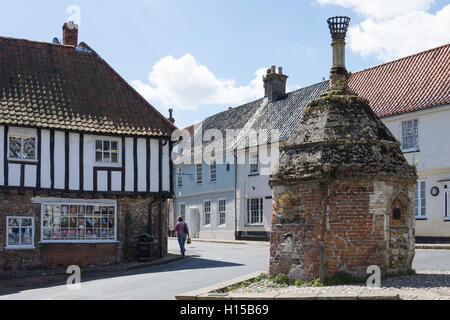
<point x="275" y="84"/>
<point x="338" y="28"/>
<point x="171" y="119"/>
<point x="70" y="34"/>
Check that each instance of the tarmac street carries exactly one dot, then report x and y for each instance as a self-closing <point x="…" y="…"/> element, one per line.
<point x="206" y="264"/>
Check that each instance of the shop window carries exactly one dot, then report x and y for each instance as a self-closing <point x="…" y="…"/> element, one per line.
<point x="78" y="222"/>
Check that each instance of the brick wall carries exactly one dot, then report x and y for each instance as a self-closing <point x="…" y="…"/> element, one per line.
<point x="358" y="215"/>
<point x="132" y="220"/>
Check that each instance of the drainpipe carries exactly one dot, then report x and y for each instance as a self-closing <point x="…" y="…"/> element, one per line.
<point x="235" y="197"/>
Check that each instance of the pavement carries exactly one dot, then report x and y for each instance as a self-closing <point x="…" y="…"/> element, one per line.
<point x="208" y="263"/>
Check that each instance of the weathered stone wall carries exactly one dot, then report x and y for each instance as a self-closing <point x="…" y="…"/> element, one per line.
<point x="132" y="219"/>
<point x="358" y="232"/>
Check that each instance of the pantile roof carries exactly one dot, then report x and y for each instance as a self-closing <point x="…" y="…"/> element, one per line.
<point x="51" y="85"/>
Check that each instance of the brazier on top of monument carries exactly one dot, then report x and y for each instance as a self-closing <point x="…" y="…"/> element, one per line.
<point x="343" y="191"/>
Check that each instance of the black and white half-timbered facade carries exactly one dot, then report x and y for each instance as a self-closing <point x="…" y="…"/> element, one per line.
<point x="84" y="160"/>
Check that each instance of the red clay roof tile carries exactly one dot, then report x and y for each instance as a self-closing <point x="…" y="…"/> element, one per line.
<point x="412" y="83"/>
<point x="56" y="86"/>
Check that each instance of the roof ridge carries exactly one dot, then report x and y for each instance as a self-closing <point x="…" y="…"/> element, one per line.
<point x="403" y="58"/>
<point x="36" y="41"/>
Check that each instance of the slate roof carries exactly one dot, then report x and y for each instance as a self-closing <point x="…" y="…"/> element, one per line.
<point x="409" y="84"/>
<point x="50" y="85"/>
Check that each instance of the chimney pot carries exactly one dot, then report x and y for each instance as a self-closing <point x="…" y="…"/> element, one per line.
<point x="171" y="119"/>
<point x="70" y="34"/>
<point x="275" y="84"/>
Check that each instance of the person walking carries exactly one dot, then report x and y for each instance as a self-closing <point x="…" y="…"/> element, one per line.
<point x="182" y="231"/>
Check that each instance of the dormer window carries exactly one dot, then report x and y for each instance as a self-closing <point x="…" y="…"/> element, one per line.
<point x="106" y="151"/>
<point x="22" y="147"/>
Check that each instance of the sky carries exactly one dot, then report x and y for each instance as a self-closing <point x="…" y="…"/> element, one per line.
<point x="201" y="57"/>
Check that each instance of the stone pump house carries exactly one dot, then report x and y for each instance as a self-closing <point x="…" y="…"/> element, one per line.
<point x="343" y="194"/>
<point x="84" y="159"/>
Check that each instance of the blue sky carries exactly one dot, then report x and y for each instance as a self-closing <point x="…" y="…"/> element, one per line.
<point x="205" y="53"/>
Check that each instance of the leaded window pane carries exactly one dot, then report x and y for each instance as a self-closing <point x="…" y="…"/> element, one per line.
<point x="15" y="147"/>
<point x="29" y="148"/>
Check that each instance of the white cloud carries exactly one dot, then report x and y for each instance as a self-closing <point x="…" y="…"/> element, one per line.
<point x="394" y="29"/>
<point x="381" y="9"/>
<point x="401" y="36"/>
<point x="186" y="84"/>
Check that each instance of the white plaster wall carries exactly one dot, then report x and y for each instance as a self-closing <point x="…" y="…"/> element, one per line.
<point x="30" y="176"/>
<point x="88" y="162"/>
<point x="60" y="156"/>
<point x="433" y="163"/>
<point x="142" y="165"/>
<point x="254" y="186"/>
<point x="129" y="165"/>
<point x="154" y="165"/>
<point x="14" y="175"/>
<point x="116" y="181"/>
<point x="45" y="159"/>
<point x="166" y="168"/>
<point x="102" y="181"/>
<point x="74" y="161"/>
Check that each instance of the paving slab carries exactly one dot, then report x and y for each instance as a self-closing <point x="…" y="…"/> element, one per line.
<point x="297" y="296"/>
<point x="254" y="296"/>
<point x="378" y="296"/>
<point x="337" y="296"/>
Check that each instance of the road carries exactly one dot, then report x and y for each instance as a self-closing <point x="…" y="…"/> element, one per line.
<point x="206" y="264"/>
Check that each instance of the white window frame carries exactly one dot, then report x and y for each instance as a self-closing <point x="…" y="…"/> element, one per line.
<point x="180" y="178"/>
<point x="220" y="213"/>
<point x="79" y="203"/>
<point x="250" y="209"/>
<point x="22" y="135"/>
<point x="204" y="213"/>
<point x="213" y="171"/>
<point x="253" y="164"/>
<point x="446" y="203"/>
<point x="409" y="149"/>
<point x="418" y="197"/>
<point x="20" y="247"/>
<point x="110" y="140"/>
<point x="181" y="214"/>
<point x="199" y="173"/>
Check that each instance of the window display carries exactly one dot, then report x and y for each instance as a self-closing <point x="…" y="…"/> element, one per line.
<point x="78" y="222"/>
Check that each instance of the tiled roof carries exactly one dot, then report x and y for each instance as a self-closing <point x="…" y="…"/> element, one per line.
<point x="56" y="86"/>
<point x="409" y="84"/>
